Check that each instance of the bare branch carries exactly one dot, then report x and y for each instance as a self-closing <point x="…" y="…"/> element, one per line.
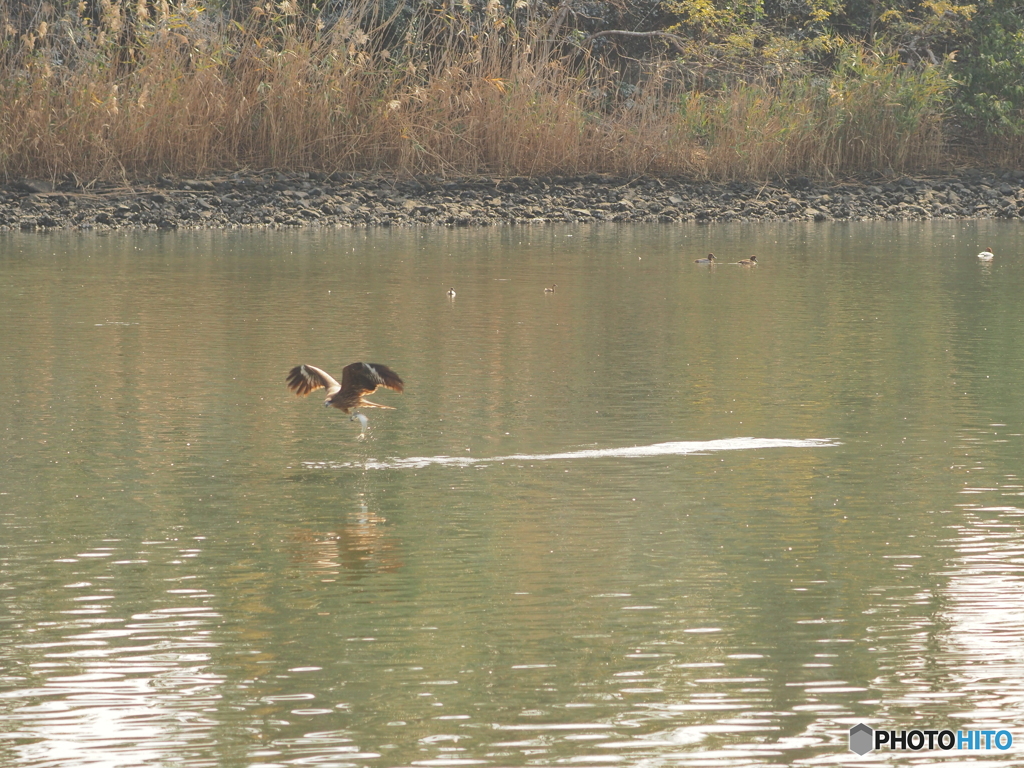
<point x="674" y="40"/>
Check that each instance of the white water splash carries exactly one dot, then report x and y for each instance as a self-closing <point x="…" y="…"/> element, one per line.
<point x="656" y="449"/>
<point x="362" y="420"/>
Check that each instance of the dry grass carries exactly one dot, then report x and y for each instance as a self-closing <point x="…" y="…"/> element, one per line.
<point x="200" y="94"/>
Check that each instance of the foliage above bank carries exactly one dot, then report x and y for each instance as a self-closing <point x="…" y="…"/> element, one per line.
<point x="708" y="88"/>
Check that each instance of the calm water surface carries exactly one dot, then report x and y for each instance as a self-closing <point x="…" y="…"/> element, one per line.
<point x="665" y="515"/>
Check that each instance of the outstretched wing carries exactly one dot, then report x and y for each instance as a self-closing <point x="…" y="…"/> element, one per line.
<point x="363" y="378"/>
<point x="303" y="379"/>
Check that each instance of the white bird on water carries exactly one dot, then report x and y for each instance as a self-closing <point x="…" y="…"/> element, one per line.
<point x="451" y="293"/>
<point x="986" y="255"/>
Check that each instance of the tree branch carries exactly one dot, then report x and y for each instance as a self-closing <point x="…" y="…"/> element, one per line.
<point x="674" y="40"/>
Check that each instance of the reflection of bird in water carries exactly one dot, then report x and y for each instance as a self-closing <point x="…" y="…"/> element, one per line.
<point x="751" y="262"/>
<point x="358" y="544"/>
<point x="709" y="260"/>
<point x="551" y="289"/>
<point x="986" y="255"/>
<point x="451" y="293"/>
<point x="357" y="379"/>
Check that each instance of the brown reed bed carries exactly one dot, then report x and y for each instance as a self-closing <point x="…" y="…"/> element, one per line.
<point x="191" y="92"/>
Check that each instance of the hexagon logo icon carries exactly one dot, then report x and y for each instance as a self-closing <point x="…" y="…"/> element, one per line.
<point x="862" y="739"/>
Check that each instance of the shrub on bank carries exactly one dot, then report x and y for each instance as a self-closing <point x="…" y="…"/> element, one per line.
<point x="105" y="89"/>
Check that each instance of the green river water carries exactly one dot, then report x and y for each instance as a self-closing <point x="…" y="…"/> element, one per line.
<point x="665" y="515"/>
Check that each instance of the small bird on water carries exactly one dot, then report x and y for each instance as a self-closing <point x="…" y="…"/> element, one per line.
<point x="551" y="289"/>
<point x="986" y="255"/>
<point x="751" y="262"/>
<point x="357" y="379"/>
<point x="709" y="260"/>
<point x="451" y="293"/>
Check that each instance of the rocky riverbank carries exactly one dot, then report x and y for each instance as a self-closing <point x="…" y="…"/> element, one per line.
<point x="273" y="200"/>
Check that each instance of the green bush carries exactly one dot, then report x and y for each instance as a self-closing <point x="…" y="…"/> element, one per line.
<point x="991" y="70"/>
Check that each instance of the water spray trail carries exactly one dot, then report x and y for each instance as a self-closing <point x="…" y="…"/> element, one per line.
<point x="636" y="451"/>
